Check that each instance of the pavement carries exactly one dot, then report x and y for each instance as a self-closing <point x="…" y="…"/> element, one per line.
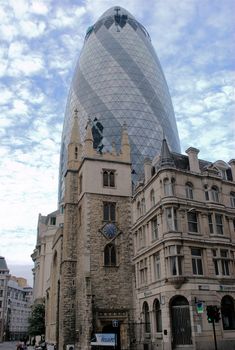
<point x="11" y="345"/>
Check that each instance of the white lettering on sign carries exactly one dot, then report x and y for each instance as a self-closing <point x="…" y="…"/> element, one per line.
<point x="105" y="339"/>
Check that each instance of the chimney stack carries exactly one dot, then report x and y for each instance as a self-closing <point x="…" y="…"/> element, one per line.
<point x="193" y="159"/>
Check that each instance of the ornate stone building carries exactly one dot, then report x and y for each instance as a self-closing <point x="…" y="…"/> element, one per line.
<point x="184" y="246"/>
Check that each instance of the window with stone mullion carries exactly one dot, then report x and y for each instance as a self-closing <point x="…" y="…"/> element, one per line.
<point x="109" y="211"/>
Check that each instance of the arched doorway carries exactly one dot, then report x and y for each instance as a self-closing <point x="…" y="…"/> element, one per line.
<point x="227" y="313"/>
<point x="180" y="322"/>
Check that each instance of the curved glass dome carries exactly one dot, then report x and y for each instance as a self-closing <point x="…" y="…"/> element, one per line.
<point x="118" y="79"/>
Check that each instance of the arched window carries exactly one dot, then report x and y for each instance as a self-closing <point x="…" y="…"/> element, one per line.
<point x="111" y="179"/>
<point x="109" y="211"/>
<point x="215" y="193"/>
<point x="110" y="255"/>
<point x="168" y="187"/>
<point x="232" y="199"/>
<point x="146" y="317"/>
<point x="108" y="178"/>
<point x="206" y="193"/>
<point x="227" y="312"/>
<point x="105" y="178"/>
<point x="152" y="198"/>
<point x="189" y="190"/>
<point x="158" y="315"/>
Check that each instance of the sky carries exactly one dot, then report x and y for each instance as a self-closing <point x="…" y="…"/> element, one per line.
<point x="39" y="47"/>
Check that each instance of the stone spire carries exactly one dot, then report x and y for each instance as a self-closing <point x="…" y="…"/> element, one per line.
<point x="125" y="145"/>
<point x="74" y="146"/>
<point x="75" y="133"/>
<point x="88" y="142"/>
<point x="166" y="158"/>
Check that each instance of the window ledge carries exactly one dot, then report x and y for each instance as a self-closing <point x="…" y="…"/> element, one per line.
<point x="177" y="281"/>
<point x="216" y="235"/>
<point x="195" y="233"/>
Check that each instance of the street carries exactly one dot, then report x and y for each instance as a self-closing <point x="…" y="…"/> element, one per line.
<point x="11" y="345"/>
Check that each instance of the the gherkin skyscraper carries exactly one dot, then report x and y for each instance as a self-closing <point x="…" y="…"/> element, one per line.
<point x="118" y="79"/>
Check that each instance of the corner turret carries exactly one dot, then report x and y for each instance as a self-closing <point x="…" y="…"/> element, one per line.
<point x="166" y="158"/>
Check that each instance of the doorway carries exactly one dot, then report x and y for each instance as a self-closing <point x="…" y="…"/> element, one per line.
<point x="115" y="330"/>
<point x="180" y="322"/>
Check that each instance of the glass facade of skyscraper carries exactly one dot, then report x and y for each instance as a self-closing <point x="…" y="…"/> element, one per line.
<point x="118" y="79"/>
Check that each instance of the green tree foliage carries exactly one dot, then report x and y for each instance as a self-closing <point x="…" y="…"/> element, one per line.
<point x="37" y="320"/>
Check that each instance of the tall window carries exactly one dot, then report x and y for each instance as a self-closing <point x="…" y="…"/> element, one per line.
<point x="215" y="261"/>
<point x="206" y="193"/>
<point x="227" y="313"/>
<point x="197" y="261"/>
<point x="175" y="260"/>
<point x="232" y="199"/>
<point x="146" y="317"/>
<point x="192" y="221"/>
<point x="154" y="227"/>
<point x="224" y="262"/>
<point x="219" y="224"/>
<point x="138" y="209"/>
<point x="108" y="178"/>
<point x="157" y="266"/>
<point x="158" y="315"/>
<point x="143" y="270"/>
<point x="110" y="255"/>
<point x="189" y="190"/>
<point x="152" y="198"/>
<point x="221" y="262"/>
<point x="171" y="218"/>
<point x="141" y="237"/>
<point x="210" y="223"/>
<point x="142" y="206"/>
<point x="168" y="187"/>
<point x="215" y="193"/>
<point x="80" y="183"/>
<point x="109" y="211"/>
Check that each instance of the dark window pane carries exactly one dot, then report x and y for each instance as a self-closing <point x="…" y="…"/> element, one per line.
<point x="105" y="178"/>
<point x="111" y="175"/>
<point x="210" y="223"/>
<point x="199" y="265"/>
<point x="106" y="211"/>
<point x="113" y="255"/>
<point x="194" y="267"/>
<point x="112" y="212"/>
<point x="216" y="267"/>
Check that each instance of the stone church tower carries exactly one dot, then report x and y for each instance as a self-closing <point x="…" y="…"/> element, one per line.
<point x="96" y="275"/>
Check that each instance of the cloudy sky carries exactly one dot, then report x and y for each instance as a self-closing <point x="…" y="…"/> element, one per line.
<point x="40" y="44"/>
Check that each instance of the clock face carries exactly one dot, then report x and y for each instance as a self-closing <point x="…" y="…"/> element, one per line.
<point x="110" y="230"/>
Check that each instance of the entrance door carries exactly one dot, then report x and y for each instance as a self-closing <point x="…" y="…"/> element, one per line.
<point x="180" y="321"/>
<point x="116" y="330"/>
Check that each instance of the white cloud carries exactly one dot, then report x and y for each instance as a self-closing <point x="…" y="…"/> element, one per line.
<point x="39" y="8"/>
<point x="31" y="28"/>
<point x="30" y="65"/>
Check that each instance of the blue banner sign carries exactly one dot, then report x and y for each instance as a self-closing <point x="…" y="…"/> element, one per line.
<point x="104" y="339"/>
